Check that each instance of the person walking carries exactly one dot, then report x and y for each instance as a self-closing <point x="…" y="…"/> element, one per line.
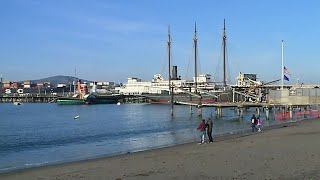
<point x="253" y="122"/>
<point x="209" y="126"/>
<point x="259" y="124"/>
<point x="202" y="129"/>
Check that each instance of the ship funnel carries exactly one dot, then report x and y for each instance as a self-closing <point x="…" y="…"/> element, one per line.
<point x="175" y="73"/>
<point x="94" y="87"/>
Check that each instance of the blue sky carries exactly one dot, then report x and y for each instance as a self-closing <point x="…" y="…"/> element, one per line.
<point x="111" y="40"/>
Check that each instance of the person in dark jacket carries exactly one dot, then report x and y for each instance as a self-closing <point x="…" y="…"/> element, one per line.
<point x="202" y="129"/>
<point x="209" y="126"/>
<point x="253" y="122"/>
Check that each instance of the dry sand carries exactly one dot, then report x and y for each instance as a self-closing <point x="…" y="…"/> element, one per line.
<point x="291" y="152"/>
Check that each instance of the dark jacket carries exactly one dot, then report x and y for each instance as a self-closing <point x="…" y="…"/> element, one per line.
<point x="209" y="125"/>
<point x="254" y="120"/>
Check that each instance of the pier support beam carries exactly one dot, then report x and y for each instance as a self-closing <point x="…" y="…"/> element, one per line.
<point x="199" y="110"/>
<point x="290" y="112"/>
<point x="267" y="113"/>
<point x="218" y="111"/>
<point x="233" y="94"/>
<point x="305" y="111"/>
<point x="172" y="103"/>
<point x="241" y="112"/>
<point x="258" y="111"/>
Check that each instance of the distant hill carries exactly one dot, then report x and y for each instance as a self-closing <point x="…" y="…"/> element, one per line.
<point x="54" y="80"/>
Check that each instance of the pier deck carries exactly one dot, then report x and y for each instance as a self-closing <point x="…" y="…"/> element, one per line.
<point x="242" y="104"/>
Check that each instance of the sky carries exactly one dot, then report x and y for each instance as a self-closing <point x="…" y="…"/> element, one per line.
<point x="111" y="40"/>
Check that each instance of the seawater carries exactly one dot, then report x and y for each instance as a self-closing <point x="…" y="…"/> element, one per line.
<point x="40" y="134"/>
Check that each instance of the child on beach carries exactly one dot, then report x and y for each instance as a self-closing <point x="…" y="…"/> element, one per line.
<point x="259" y="124"/>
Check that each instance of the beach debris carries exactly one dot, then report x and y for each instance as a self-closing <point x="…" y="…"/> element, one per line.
<point x="76" y="117"/>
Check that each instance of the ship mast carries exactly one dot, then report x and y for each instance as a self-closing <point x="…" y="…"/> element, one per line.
<point x="169" y="74"/>
<point x="169" y="58"/>
<point x="224" y="53"/>
<point x="195" y="56"/>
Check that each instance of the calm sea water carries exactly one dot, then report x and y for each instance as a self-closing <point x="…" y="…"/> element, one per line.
<point x="39" y="134"/>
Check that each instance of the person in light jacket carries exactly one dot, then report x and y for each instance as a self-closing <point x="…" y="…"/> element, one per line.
<point x="202" y="129"/>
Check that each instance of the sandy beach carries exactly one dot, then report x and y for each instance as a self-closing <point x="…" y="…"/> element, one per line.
<point x="290" y="151"/>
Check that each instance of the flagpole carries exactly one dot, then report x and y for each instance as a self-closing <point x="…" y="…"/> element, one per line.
<point x="282" y="67"/>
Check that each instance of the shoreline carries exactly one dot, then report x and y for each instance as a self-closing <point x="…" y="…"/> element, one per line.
<point x="96" y="160"/>
<point x="216" y="138"/>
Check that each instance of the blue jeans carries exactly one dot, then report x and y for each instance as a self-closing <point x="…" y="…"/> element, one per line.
<point x="203" y="136"/>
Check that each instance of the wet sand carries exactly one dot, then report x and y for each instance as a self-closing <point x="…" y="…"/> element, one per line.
<point x="290" y="151"/>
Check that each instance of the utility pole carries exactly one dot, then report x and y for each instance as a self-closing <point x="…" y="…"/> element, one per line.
<point x="224" y="54"/>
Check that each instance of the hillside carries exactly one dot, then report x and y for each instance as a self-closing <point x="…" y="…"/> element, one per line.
<point x="54" y="80"/>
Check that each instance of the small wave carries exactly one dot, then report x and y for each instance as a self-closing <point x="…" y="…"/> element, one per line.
<point x="37" y="164"/>
<point x="7" y="169"/>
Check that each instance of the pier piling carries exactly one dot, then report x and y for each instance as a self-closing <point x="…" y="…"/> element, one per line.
<point x="290" y="112"/>
<point x="258" y="111"/>
<point x="199" y="110"/>
<point x="267" y="113"/>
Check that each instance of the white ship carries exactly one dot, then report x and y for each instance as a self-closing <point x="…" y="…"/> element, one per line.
<point x="158" y="85"/>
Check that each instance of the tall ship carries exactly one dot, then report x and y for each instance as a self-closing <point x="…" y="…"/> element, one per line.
<point x="199" y="90"/>
<point x="83" y="97"/>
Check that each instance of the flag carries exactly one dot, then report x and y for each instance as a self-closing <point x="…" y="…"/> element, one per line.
<point x="286" y="71"/>
<point x="286" y="74"/>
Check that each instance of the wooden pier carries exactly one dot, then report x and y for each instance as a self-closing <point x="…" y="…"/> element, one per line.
<point x="261" y="107"/>
<point x="28" y="99"/>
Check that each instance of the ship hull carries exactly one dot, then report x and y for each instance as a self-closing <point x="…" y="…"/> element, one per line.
<point x="104" y="100"/>
<point x="92" y="99"/>
<point x="70" y="101"/>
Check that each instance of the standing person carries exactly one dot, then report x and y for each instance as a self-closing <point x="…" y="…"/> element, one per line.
<point x="253" y="122"/>
<point x="259" y="124"/>
<point x="202" y="129"/>
<point x="209" y="126"/>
